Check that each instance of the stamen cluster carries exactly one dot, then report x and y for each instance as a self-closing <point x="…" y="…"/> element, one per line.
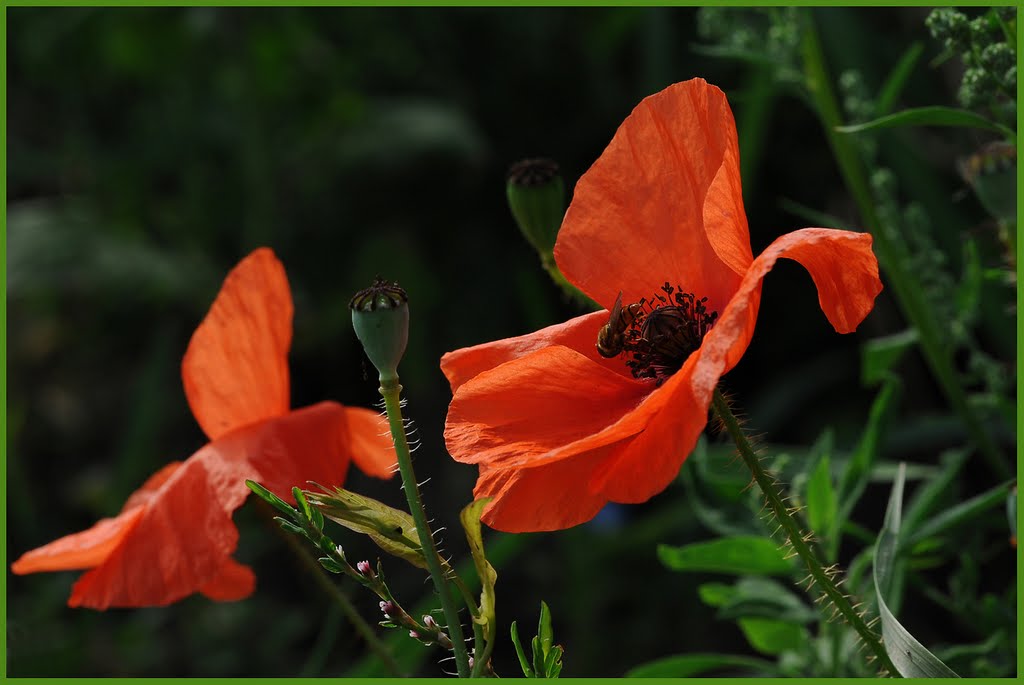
<point x="667" y="330"/>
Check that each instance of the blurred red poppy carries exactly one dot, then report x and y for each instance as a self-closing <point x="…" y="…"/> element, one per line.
<point x="559" y="428"/>
<point x="174" y="535"/>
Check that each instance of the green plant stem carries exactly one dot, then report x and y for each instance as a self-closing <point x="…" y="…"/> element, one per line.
<point x="795" y="534"/>
<point x="334" y="592"/>
<point x="391" y="391"/>
<point x="909" y="294"/>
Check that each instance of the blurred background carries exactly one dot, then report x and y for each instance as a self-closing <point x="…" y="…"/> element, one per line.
<point x="149" y="150"/>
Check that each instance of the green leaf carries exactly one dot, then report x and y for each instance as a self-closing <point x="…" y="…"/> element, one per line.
<point x="958" y="514"/>
<point x="544" y="631"/>
<point x="909" y="656"/>
<point x="858" y="469"/>
<point x="289" y="526"/>
<point x="688" y="665"/>
<point x="538" y="657"/>
<point x="304" y="508"/>
<point x="765" y="598"/>
<point x="272" y="499"/>
<point x="879" y="355"/>
<point x="470" y="518"/>
<point x="524" y="663"/>
<point x="822" y="504"/>
<point x="715" y="594"/>
<point x="770" y="636"/>
<point x="553" y="662"/>
<point x="897" y="78"/>
<point x="930" y="116"/>
<point x="393" y="530"/>
<point x="330" y="564"/>
<point x="741" y="554"/>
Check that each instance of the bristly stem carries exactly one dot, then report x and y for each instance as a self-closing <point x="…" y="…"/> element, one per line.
<point x="797" y="537"/>
<point x="391" y="391"/>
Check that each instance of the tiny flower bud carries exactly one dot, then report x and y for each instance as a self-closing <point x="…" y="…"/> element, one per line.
<point x="536" y="197"/>
<point x="380" y="317"/>
<point x="365" y="568"/>
<point x="429" y="621"/>
<point x="414" y="635"/>
<point x="388" y="608"/>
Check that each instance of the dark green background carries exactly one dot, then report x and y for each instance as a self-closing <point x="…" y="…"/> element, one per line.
<point x="151" y="149"/>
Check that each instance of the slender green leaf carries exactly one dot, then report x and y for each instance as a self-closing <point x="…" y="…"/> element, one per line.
<point x="909" y="656"/>
<point x="897" y="78"/>
<point x="689" y="665"/>
<point x="272" y="499"/>
<point x="822" y="504"/>
<point x="927" y="496"/>
<point x="879" y="355"/>
<point x="470" y="518"/>
<point x="524" y="663"/>
<point x="930" y="116"/>
<point x="959" y="514"/>
<point x="544" y="631"/>
<point x="741" y="554"/>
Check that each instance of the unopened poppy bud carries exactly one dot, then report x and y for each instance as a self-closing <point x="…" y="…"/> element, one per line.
<point x="365" y="568"/>
<point x="380" y="317"/>
<point x="536" y="197"/>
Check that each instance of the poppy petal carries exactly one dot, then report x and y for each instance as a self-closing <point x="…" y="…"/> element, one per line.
<point x="843" y="268"/>
<point x="184" y="536"/>
<point x="663" y="202"/>
<point x="578" y="334"/>
<point x="649" y="462"/>
<point x="233" y="582"/>
<point x="235" y="370"/>
<point x="370" y="441"/>
<point x="521" y="410"/>
<point x="82" y="550"/>
<point x="546" y="497"/>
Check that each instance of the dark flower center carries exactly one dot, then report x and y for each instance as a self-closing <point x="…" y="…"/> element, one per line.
<point x="665" y="331"/>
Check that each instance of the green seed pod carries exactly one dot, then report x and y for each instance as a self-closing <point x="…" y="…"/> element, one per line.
<point x="380" y="317"/>
<point x="536" y="197"/>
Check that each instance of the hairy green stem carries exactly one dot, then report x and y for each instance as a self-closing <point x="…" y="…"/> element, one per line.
<point x="334" y="592"/>
<point x="909" y="294"/>
<point x="391" y="391"/>
<point x="796" y="536"/>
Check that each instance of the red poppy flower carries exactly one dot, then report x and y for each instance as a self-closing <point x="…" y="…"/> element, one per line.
<point x="174" y="535"/>
<point x="558" y="429"/>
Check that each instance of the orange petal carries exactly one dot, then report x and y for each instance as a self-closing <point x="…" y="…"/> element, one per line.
<point x="552" y="496"/>
<point x="79" y="550"/>
<point x="663" y="202"/>
<point x="370" y="441"/>
<point x="233" y="582"/>
<point x="235" y="370"/>
<point x="184" y="536"/>
<point x="843" y="268"/>
<point x="547" y="400"/>
<point x="578" y="334"/>
<point x="649" y="461"/>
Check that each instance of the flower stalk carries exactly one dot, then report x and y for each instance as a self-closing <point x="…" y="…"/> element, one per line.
<point x="391" y="390"/>
<point x="799" y="539"/>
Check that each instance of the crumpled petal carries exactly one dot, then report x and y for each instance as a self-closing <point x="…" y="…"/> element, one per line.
<point x="663" y="201"/>
<point x="843" y="268"/>
<point x="523" y="409"/>
<point x="235" y="370"/>
<point x="182" y="539"/>
<point x="370" y="442"/>
<point x="546" y="497"/>
<point x="79" y="550"/>
<point x="579" y="334"/>
<point x="649" y="461"/>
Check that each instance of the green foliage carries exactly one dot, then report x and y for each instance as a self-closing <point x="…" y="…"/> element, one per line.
<point x="738" y="554"/>
<point x="547" y="656"/>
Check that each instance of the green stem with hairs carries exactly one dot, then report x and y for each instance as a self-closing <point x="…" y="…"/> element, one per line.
<point x="796" y="536"/>
<point x="391" y="391"/>
<point x="891" y="253"/>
